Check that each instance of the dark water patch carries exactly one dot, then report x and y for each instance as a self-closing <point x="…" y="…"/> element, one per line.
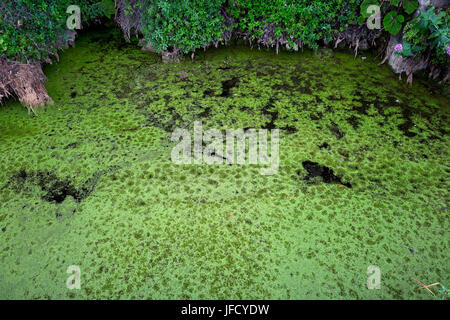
<point x="333" y="97"/>
<point x="249" y="66"/>
<point x="208" y="93"/>
<point x="131" y="129"/>
<point x="228" y="85"/>
<point x="267" y="69"/>
<point x="225" y="68"/>
<point x="271" y="114"/>
<point x="367" y="103"/>
<point x="122" y="91"/>
<point x="353" y="121"/>
<point x="407" y="108"/>
<point x="56" y="189"/>
<point x="20" y="177"/>
<point x="316" y="170"/>
<point x="289" y="129"/>
<point x="71" y="145"/>
<point x="170" y="118"/>
<point x="205" y="112"/>
<point x="281" y="87"/>
<point x="171" y="124"/>
<point x="301" y="84"/>
<point x="334" y="128"/>
<point x="167" y="120"/>
<point x="155" y="119"/>
<point x="435" y="137"/>
<point x="442" y="131"/>
<point x="405" y="127"/>
<point x="362" y="109"/>
<point x="221" y="157"/>
<point x="316" y="116"/>
<point x="108" y="39"/>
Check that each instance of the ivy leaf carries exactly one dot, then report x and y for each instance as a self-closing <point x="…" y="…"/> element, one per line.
<point x="361" y="20"/>
<point x="392" y="22"/>
<point x="395" y="2"/>
<point x="365" y="5"/>
<point x="410" y="6"/>
<point x="407" y="50"/>
<point x="109" y="7"/>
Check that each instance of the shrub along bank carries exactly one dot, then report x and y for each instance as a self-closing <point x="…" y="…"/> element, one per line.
<point x="414" y="34"/>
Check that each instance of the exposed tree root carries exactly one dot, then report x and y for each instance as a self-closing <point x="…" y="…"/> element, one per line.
<point x="411" y="65"/>
<point x="358" y="37"/>
<point x="25" y="81"/>
<point x="128" y="22"/>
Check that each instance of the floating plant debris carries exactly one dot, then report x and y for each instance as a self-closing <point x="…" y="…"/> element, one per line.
<point x="316" y="170"/>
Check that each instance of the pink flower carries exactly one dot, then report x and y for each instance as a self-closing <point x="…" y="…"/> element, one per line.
<point x="448" y="49"/>
<point x="398" y="47"/>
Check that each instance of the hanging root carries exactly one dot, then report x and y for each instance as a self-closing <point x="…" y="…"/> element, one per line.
<point x="128" y="22"/>
<point x="25" y="81"/>
<point x="357" y="37"/>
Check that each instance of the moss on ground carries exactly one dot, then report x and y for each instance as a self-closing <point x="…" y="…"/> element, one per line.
<point x="90" y="182"/>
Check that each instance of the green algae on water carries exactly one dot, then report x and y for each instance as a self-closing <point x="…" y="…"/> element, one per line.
<point x="89" y="180"/>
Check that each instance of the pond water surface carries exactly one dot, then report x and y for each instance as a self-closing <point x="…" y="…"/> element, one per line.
<point x="363" y="179"/>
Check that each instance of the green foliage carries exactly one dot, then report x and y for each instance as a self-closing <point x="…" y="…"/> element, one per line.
<point x="30" y="29"/>
<point x="172" y="25"/>
<point x="395" y="12"/>
<point x="428" y="31"/>
<point x="188" y="25"/>
<point x="365" y="6"/>
<point x="393" y="22"/>
<point x="410" y="6"/>
<point x="444" y="293"/>
<point x="300" y="19"/>
<point x="180" y="24"/>
<point x="108" y="8"/>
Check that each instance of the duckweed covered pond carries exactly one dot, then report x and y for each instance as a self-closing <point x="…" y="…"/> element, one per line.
<point x="363" y="179"/>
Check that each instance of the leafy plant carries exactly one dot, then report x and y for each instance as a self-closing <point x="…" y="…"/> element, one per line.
<point x="31" y="29"/>
<point x="108" y="7"/>
<point x="394" y="12"/>
<point x="307" y="21"/>
<point x="184" y="25"/>
<point x="410" y="6"/>
<point x="428" y="31"/>
<point x="444" y="293"/>
<point x="187" y="25"/>
<point x="393" y="22"/>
